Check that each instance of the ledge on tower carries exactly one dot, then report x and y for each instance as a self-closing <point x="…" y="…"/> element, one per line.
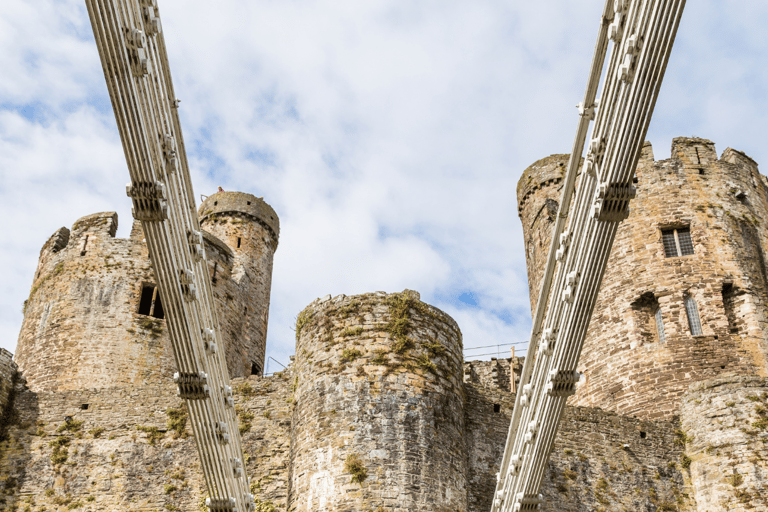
<point x="240" y="202"/>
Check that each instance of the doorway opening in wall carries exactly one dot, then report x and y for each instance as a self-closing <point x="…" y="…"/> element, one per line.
<point x="150" y="303"/>
<point x="255" y="370"/>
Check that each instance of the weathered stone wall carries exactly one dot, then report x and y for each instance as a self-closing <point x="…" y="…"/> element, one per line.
<point x="8" y="376"/>
<point x="627" y="367"/>
<point x="242" y="276"/>
<point x="379" y="419"/>
<point x="81" y="326"/>
<point x="501" y="374"/>
<point x="601" y="461"/>
<point x="725" y="427"/>
<point x="130" y="449"/>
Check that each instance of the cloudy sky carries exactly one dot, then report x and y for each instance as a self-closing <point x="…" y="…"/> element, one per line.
<point x="388" y="135"/>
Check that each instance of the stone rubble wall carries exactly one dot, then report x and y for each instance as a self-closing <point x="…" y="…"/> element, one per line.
<point x="501" y="374"/>
<point x="131" y="449"/>
<point x="379" y="420"/>
<point x="725" y="429"/>
<point x="8" y="377"/>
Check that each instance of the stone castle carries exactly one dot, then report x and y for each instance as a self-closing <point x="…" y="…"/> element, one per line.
<point x="378" y="411"/>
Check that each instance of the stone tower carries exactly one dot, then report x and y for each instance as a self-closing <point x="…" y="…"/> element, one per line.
<point x="242" y="276"/>
<point x="684" y="296"/>
<point x="379" y="409"/>
<point x="94" y="317"/>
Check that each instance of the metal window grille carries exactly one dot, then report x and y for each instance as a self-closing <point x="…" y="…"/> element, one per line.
<point x="693" y="316"/>
<point x="660" y="325"/>
<point x="677" y="242"/>
<point x="670" y="247"/>
<point x="684" y="241"/>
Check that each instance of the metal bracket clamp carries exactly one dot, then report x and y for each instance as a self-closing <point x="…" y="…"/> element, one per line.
<point x="565" y="239"/>
<point x="169" y="152"/>
<point x="222" y="432"/>
<point x="612" y="201"/>
<point x="528" y="502"/>
<point x="525" y="400"/>
<point x="547" y="343"/>
<point x="562" y="383"/>
<point x="192" y="386"/>
<point x="151" y="20"/>
<point x="188" y="288"/>
<point x="195" y="241"/>
<point x="588" y="112"/>
<point x="514" y="464"/>
<point x="226" y="391"/>
<point x="137" y="43"/>
<point x="237" y="467"/>
<point x="209" y="338"/>
<point x="221" y="504"/>
<point x="149" y="200"/>
<point x="533" y="428"/>
<point x="572" y="280"/>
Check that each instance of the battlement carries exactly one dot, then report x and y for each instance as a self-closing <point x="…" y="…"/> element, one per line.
<point x="227" y="203"/>
<point x="542" y="173"/>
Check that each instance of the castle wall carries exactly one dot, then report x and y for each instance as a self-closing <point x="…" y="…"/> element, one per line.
<point x="131" y="449"/>
<point x="725" y="425"/>
<point x="241" y="273"/>
<point x="600" y="461"/>
<point x="81" y="326"/>
<point x="379" y="420"/>
<point x="627" y="367"/>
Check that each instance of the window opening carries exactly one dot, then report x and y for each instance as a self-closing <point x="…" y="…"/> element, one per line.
<point x="677" y="242"/>
<point x="642" y="435"/>
<point x="646" y="318"/>
<point x="698" y="159"/>
<point x="150" y="304"/>
<point x="85" y="243"/>
<point x="215" y="268"/>
<point x="84" y="407"/>
<point x="660" y="325"/>
<point x="238" y="242"/>
<point x="249" y="203"/>
<point x="694" y="323"/>
<point x="496" y="407"/>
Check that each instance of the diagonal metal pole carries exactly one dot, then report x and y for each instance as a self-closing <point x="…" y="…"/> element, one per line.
<point x="131" y="46"/>
<point x="642" y="32"/>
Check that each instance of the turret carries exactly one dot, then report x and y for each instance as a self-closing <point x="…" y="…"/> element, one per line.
<point x="683" y="299"/>
<point x="243" y="231"/>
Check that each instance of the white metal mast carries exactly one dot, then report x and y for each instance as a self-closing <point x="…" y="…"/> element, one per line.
<point x="129" y="37"/>
<point x="643" y="32"/>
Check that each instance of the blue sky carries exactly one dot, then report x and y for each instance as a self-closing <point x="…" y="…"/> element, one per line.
<point x="388" y="135"/>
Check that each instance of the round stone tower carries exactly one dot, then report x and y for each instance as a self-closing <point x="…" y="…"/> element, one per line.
<point x="95" y="319"/>
<point x="684" y="296"/>
<point x="242" y="277"/>
<point x="82" y="327"/>
<point x="378" y="421"/>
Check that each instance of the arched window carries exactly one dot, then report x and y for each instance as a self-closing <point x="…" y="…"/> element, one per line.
<point x="694" y="323"/>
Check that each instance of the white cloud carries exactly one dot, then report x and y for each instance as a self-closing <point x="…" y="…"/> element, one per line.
<point x="388" y="135"/>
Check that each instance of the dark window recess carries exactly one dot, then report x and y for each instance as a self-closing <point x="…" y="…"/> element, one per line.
<point x="255" y="370"/>
<point x="215" y="268"/>
<point x="732" y="299"/>
<point x="649" y="325"/>
<point x="85" y="244"/>
<point x="642" y="435"/>
<point x="677" y="242"/>
<point x="84" y="407"/>
<point x="150" y="304"/>
<point x="215" y="203"/>
<point x="249" y="203"/>
<point x="496" y="407"/>
<point x="238" y="242"/>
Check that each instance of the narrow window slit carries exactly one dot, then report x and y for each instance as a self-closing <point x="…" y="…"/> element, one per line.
<point x="496" y="407"/>
<point x="238" y="242"/>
